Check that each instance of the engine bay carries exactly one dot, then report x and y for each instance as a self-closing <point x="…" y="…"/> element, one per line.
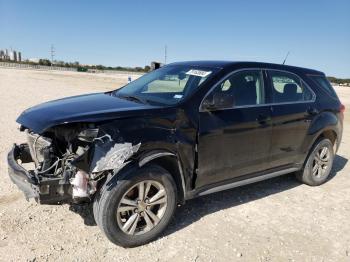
<point x="68" y="162"/>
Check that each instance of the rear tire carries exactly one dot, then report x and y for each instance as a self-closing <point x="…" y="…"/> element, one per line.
<point x="318" y="164"/>
<point x="138" y="207"/>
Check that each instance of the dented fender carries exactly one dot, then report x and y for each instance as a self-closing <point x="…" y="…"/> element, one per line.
<point x="112" y="157"/>
<point x="106" y="154"/>
<point x="138" y="141"/>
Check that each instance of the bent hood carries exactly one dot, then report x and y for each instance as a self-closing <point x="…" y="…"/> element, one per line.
<point x="84" y="108"/>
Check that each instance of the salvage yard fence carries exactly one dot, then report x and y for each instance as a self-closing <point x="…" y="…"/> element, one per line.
<point x="37" y="67"/>
<point x="71" y="69"/>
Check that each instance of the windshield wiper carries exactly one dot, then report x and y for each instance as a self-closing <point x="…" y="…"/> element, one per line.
<point x="133" y="98"/>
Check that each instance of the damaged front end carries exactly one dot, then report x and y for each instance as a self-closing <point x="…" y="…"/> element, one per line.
<point x="66" y="163"/>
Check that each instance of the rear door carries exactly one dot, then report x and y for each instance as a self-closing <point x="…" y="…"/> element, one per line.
<point x="292" y="111"/>
<point x="235" y="141"/>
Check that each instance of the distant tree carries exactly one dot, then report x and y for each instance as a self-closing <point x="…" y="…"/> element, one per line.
<point x="338" y="80"/>
<point x="100" y="67"/>
<point x="44" y="62"/>
<point x="147" y="68"/>
<point x="59" y="63"/>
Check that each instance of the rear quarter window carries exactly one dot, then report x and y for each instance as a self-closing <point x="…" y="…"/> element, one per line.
<point x="323" y="83"/>
<point x="288" y="87"/>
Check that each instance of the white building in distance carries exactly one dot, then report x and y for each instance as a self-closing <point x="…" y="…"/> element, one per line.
<point x="11" y="55"/>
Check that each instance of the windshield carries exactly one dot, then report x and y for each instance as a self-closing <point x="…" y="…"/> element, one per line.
<point x="167" y="85"/>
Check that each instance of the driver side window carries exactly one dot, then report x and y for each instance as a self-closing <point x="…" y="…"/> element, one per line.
<point x="246" y="88"/>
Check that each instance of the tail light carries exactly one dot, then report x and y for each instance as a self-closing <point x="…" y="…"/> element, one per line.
<point x="342" y="110"/>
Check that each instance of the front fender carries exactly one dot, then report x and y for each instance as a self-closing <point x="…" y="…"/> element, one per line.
<point x="173" y="165"/>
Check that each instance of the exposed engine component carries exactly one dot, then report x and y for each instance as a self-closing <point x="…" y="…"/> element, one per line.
<point x="80" y="184"/>
<point x="39" y="148"/>
<point x="70" y="160"/>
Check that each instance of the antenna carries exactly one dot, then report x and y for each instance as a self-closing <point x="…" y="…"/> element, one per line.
<point x="284" y="61"/>
<point x="52" y="53"/>
<point x="165" y="53"/>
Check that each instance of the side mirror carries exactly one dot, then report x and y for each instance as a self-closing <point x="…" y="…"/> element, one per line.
<point x="217" y="101"/>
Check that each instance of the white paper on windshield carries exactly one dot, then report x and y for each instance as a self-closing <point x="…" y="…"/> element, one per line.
<point x="200" y="73"/>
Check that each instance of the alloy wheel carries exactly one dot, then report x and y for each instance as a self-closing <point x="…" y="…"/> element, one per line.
<point x="142" y="207"/>
<point x="321" y="162"/>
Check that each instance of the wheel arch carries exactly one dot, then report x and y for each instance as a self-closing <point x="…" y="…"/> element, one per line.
<point x="170" y="162"/>
<point x="325" y="125"/>
<point x="330" y="134"/>
<point x="323" y="121"/>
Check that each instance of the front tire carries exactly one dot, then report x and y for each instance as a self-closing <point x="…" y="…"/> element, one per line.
<point x="319" y="163"/>
<point x="137" y="208"/>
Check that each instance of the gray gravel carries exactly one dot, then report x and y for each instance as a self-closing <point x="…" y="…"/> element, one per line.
<point x="275" y="220"/>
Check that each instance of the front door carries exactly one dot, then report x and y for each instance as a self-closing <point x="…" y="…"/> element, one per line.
<point x="235" y="141"/>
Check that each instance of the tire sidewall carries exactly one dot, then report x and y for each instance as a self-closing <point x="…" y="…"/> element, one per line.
<point x="308" y="177"/>
<point x="111" y="197"/>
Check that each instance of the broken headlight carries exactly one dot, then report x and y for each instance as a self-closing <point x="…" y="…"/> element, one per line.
<point x="88" y="135"/>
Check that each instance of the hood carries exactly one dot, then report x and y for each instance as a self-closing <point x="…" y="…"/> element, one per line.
<point x="83" y="108"/>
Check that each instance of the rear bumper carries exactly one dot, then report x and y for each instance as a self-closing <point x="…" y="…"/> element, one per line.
<point x="23" y="179"/>
<point x="44" y="190"/>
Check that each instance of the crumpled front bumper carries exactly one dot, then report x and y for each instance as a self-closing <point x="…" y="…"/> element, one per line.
<point x="24" y="179"/>
<point x="43" y="190"/>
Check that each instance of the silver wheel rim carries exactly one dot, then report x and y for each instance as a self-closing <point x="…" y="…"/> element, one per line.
<point x="321" y="162"/>
<point x="141" y="207"/>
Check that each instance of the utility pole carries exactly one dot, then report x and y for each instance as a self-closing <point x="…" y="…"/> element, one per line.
<point x="52" y="54"/>
<point x="165" y="54"/>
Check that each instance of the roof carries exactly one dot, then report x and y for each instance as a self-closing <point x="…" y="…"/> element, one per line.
<point x="236" y="64"/>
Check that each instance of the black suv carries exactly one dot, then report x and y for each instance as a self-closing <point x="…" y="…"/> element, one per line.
<point x="182" y="131"/>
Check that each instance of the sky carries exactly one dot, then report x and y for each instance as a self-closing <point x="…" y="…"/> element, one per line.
<point x="134" y="33"/>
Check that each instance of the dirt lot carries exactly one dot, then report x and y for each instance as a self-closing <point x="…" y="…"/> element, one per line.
<point x="275" y="220"/>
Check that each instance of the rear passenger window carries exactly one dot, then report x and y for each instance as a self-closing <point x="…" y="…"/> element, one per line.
<point x="287" y="87"/>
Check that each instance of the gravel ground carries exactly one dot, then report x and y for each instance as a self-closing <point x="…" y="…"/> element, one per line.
<point x="274" y="220"/>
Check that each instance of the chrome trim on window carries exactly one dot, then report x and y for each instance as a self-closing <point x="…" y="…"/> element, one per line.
<point x="259" y="105"/>
<point x="303" y="83"/>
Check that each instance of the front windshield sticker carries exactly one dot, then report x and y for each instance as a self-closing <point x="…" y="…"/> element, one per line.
<point x="177" y="96"/>
<point x="200" y="73"/>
